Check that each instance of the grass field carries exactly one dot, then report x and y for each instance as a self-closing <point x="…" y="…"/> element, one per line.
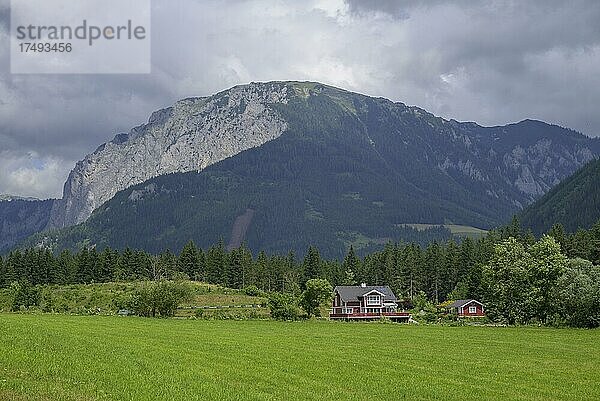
<point x="59" y="357"/>
<point x="456" y="229"/>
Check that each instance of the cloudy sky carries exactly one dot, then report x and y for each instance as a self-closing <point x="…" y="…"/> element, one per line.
<point x="492" y="62"/>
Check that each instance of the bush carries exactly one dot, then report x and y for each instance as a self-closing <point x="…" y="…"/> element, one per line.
<point x="252" y="291"/>
<point x="318" y="292"/>
<point x="24" y="295"/>
<point x="578" y="295"/>
<point x="284" y="307"/>
<point x="47" y="303"/>
<point x="384" y="320"/>
<point x="160" y="298"/>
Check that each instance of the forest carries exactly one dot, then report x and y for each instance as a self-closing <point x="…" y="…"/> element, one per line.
<point x="520" y="278"/>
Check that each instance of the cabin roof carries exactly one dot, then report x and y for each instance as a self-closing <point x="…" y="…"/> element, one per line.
<point x="459" y="303"/>
<point x="354" y="292"/>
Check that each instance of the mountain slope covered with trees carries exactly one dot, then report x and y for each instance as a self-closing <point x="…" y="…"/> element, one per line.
<point x="20" y="218"/>
<point x="574" y="203"/>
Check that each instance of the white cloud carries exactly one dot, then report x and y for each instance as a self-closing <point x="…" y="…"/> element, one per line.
<point x="32" y="175"/>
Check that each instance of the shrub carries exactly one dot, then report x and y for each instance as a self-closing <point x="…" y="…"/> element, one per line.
<point x="284" y="307"/>
<point x="160" y="298"/>
<point x="24" y="295"/>
<point x="318" y="292"/>
<point x="252" y="291"/>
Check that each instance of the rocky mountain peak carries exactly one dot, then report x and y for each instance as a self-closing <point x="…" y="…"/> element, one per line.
<point x="189" y="136"/>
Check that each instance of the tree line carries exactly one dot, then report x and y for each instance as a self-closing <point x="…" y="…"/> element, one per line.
<point x="438" y="272"/>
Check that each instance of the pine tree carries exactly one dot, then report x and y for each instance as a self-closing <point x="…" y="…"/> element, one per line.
<point x="84" y="264"/>
<point x="201" y="273"/>
<point x="558" y="233"/>
<point x="312" y="266"/>
<point x="3" y="283"/>
<point x="245" y="257"/>
<point x="594" y="254"/>
<point x="260" y="276"/>
<point x="234" y="270"/>
<point x="12" y="268"/>
<point x="514" y="229"/>
<point x="168" y="263"/>
<point x="107" y="263"/>
<point x="49" y="265"/>
<point x="63" y="272"/>
<point x="142" y="263"/>
<point x="188" y="261"/>
<point x="126" y="267"/>
<point x="350" y="267"/>
<point x="216" y="269"/>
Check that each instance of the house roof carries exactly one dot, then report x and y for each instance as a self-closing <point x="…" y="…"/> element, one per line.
<point x="462" y="302"/>
<point x="353" y="292"/>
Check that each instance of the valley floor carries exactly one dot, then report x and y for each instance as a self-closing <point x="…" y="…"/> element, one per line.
<point x="60" y="357"/>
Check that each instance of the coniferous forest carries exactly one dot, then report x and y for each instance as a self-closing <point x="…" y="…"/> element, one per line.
<point x="512" y="271"/>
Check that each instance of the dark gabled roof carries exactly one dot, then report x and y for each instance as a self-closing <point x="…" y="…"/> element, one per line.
<point x="462" y="302"/>
<point x="353" y="292"/>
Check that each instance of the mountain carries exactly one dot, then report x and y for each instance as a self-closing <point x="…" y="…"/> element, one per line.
<point x="575" y="203"/>
<point x="281" y="165"/>
<point x="189" y="136"/>
<point x="21" y="217"/>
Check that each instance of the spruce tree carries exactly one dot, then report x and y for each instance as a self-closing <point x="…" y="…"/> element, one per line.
<point x="312" y="266"/>
<point x="350" y="267"/>
<point x="2" y="273"/>
<point x="188" y="261"/>
<point x="215" y="264"/>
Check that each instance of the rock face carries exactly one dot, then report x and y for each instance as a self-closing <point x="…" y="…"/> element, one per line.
<point x="189" y="136"/>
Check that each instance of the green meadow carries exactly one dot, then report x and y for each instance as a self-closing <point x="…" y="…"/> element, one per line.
<point x="61" y="357"/>
<point x="456" y="229"/>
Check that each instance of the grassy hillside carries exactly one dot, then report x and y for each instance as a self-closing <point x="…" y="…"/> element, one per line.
<point x="456" y="229"/>
<point x="112" y="358"/>
<point x="208" y="301"/>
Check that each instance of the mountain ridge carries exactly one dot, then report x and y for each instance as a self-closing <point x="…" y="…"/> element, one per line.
<point x="449" y="171"/>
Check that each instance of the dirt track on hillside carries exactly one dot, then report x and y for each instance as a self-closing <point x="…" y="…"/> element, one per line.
<point x="240" y="227"/>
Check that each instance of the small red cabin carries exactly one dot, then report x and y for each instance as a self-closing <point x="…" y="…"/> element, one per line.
<point x="467" y="308"/>
<point x="365" y="303"/>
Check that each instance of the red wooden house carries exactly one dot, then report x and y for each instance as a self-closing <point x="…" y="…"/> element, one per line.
<point x="467" y="308"/>
<point x="365" y="303"/>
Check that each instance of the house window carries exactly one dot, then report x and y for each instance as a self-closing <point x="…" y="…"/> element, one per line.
<point x="373" y="299"/>
<point x="348" y="311"/>
<point x="472" y="309"/>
